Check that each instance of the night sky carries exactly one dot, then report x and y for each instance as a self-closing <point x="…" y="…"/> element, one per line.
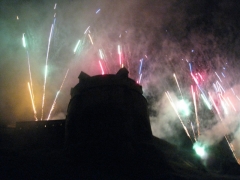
<point x="167" y="34"/>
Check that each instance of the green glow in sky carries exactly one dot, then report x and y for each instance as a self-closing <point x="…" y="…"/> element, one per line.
<point x="183" y="107"/>
<point x="199" y="149"/>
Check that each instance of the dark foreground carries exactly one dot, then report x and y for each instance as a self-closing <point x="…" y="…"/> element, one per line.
<point x="41" y="155"/>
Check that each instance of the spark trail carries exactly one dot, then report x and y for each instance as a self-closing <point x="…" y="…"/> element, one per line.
<point x="77" y="46"/>
<point x="224" y="127"/>
<point x="140" y="71"/>
<point x="175" y="109"/>
<point x="231" y="104"/>
<point x="98" y="11"/>
<point x="178" y="84"/>
<point x="103" y="59"/>
<point x="196" y="112"/>
<point x="101" y="67"/>
<point x="32" y="100"/>
<point x="120" y="56"/>
<point x="218" y="77"/>
<point x="90" y="37"/>
<point x="193" y="132"/>
<point x="232" y="149"/>
<point x="46" y="66"/>
<point x="55" y="99"/>
<point x="24" y="41"/>
<point x="101" y="54"/>
<point x="30" y="76"/>
<point x="86" y="30"/>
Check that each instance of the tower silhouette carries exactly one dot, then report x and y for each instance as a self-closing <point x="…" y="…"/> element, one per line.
<point x="108" y="128"/>
<point x="107" y="109"/>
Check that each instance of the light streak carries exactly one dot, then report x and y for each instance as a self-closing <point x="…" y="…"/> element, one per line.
<point x="120" y="55"/>
<point x="98" y="11"/>
<point x="30" y="75"/>
<point x="192" y="90"/>
<point x="102" y="57"/>
<point x="206" y="102"/>
<point x="238" y="98"/>
<point x="24" y="41"/>
<point x="229" y="143"/>
<point x="54" y="21"/>
<point x="44" y="89"/>
<point x="214" y="104"/>
<point x="193" y="132"/>
<point x="46" y="69"/>
<point x="233" y="91"/>
<point x="198" y="85"/>
<point x="53" y="105"/>
<point x="140" y="71"/>
<point x="76" y="47"/>
<point x="221" y="96"/>
<point x="201" y="76"/>
<point x="140" y="67"/>
<point x="29" y="70"/>
<point x="101" y="54"/>
<point x="231" y="104"/>
<point x="201" y="91"/>
<point x="32" y="100"/>
<point x="101" y="67"/>
<point x="194" y="78"/>
<point x="215" y="87"/>
<point x="220" y="86"/>
<point x="232" y="149"/>
<point x="90" y="38"/>
<point x="86" y="30"/>
<point x="140" y="78"/>
<point x="196" y="112"/>
<point x="223" y="105"/>
<point x="218" y="90"/>
<point x="178" y="84"/>
<point x="218" y="77"/>
<point x="175" y="109"/>
<point x="55" y="99"/>
<point x="190" y="67"/>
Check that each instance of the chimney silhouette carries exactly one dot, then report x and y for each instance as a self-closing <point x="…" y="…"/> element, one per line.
<point x="107" y="109"/>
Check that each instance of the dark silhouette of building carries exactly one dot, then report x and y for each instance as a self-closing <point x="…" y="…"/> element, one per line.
<point x="107" y="108"/>
<point x="41" y="134"/>
<point x="108" y="127"/>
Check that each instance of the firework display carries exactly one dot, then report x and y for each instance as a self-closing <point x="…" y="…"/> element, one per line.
<point x="199" y="95"/>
